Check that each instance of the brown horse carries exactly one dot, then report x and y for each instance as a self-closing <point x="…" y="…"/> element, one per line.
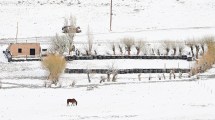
<point x="73" y="101"/>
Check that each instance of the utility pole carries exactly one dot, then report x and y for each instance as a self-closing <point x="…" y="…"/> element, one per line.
<point x="111" y="15"/>
<point x="17" y="29"/>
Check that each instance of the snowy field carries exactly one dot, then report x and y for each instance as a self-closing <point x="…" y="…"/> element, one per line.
<point x="163" y="101"/>
<point x="22" y="92"/>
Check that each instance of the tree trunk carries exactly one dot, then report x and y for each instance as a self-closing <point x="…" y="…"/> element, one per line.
<point x="88" y="76"/>
<point x="174" y="49"/>
<point x="129" y="51"/>
<point x="108" y="77"/>
<point x="114" y="76"/>
<point x="192" y="51"/>
<point x="197" y="51"/>
<point x="203" y="48"/>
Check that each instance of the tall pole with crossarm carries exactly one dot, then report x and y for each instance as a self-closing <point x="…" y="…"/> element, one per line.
<point x="111" y="15"/>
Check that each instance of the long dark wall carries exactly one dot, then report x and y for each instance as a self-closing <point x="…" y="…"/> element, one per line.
<point x="126" y="71"/>
<point x="70" y="58"/>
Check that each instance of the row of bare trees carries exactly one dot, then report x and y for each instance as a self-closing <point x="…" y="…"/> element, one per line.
<point x="177" y="47"/>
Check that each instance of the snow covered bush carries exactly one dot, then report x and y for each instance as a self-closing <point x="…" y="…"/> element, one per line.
<point x="139" y="45"/>
<point x="55" y="65"/>
<point x="58" y="44"/>
<point x="128" y="42"/>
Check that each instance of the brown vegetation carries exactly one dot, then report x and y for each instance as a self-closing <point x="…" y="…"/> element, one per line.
<point x="208" y="58"/>
<point x="55" y="64"/>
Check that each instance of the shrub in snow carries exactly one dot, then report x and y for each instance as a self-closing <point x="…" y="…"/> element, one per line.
<point x="55" y="65"/>
<point x="73" y="83"/>
<point x="103" y="78"/>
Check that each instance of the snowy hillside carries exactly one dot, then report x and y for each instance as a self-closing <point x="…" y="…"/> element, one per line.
<point x="146" y="19"/>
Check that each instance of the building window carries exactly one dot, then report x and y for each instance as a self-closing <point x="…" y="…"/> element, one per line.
<point x="19" y="50"/>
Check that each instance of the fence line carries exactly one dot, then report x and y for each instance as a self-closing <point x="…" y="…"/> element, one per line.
<point x="126" y="71"/>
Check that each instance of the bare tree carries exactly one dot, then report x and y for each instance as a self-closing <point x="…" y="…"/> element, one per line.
<point x="128" y="42"/>
<point x="197" y="50"/>
<point x="180" y="48"/>
<point x="90" y="75"/>
<point x="112" y="70"/>
<point x="108" y="75"/>
<point x="158" y="51"/>
<point x="174" y="47"/>
<point x="113" y="48"/>
<point x="115" y="73"/>
<point x="191" y="44"/>
<point x="58" y="44"/>
<point x="167" y="45"/>
<point x="202" y="43"/>
<point x="90" y="41"/>
<point x="71" y="31"/>
<point x="120" y="49"/>
<point x="139" y="45"/>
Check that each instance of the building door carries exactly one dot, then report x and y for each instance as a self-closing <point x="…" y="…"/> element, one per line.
<point x="32" y="51"/>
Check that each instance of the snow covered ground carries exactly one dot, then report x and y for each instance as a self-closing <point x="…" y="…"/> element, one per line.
<point x="165" y="101"/>
<point x="22" y="92"/>
<point x="145" y="19"/>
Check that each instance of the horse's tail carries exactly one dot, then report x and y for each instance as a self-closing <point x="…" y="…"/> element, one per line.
<point x="76" y="103"/>
<point x="67" y="102"/>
